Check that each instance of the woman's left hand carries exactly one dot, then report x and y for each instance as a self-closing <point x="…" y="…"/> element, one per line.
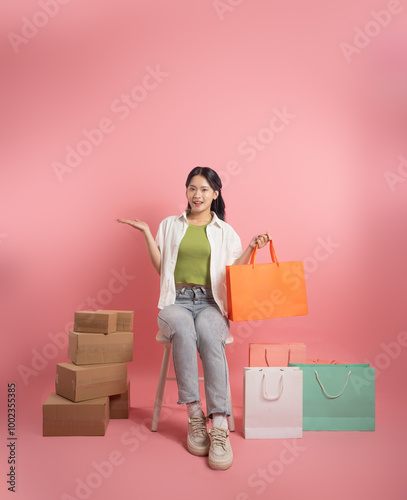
<point x="260" y="239"/>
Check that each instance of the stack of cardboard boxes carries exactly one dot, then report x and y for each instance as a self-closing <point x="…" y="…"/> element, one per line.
<point x="93" y="387"/>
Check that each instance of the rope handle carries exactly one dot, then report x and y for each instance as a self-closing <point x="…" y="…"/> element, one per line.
<point x="281" y="384"/>
<point x="273" y="255"/>
<point x="323" y="388"/>
<point x="288" y="357"/>
<point x="316" y="362"/>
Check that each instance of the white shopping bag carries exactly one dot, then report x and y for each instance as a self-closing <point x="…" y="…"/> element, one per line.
<point x="272" y="403"/>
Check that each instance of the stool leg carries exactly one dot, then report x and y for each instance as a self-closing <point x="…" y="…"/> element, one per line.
<point x="231" y="416"/>
<point x="161" y="386"/>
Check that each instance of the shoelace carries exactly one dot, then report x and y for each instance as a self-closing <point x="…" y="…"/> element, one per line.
<point x="198" y="424"/>
<point x="219" y="437"/>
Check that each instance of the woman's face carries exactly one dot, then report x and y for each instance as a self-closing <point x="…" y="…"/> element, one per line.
<point x="200" y="195"/>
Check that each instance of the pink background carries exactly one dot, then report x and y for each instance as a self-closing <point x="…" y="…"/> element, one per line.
<point x="334" y="172"/>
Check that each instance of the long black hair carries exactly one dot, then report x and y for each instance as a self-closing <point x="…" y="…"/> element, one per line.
<point x="218" y="205"/>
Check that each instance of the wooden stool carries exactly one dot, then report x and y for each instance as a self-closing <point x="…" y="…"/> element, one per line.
<point x="161" y="339"/>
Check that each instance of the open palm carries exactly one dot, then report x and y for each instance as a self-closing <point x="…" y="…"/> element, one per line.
<point x="137" y="223"/>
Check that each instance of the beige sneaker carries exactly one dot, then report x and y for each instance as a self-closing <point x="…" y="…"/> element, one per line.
<point x="220" y="451"/>
<point x="198" y="441"/>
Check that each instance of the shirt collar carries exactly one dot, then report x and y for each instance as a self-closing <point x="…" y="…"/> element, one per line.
<point x="215" y="219"/>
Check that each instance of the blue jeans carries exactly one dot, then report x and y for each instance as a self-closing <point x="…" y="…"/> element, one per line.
<point x="195" y="322"/>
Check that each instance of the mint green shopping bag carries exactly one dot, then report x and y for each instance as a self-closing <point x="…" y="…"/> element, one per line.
<point x="338" y="397"/>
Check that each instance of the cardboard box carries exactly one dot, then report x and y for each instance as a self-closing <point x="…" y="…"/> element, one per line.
<point x="95" y="322"/>
<point x="94" y="348"/>
<point x="80" y="382"/>
<point x="120" y="404"/>
<point x="125" y="320"/>
<point x="62" y="417"/>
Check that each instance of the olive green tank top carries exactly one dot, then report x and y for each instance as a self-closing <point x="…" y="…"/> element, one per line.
<point x="194" y="257"/>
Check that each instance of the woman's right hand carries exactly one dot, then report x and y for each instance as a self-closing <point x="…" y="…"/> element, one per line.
<point x="137" y="223"/>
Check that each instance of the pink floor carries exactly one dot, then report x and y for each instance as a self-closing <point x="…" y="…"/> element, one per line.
<point x="131" y="462"/>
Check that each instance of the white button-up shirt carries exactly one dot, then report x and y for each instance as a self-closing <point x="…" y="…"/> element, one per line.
<point x="225" y="246"/>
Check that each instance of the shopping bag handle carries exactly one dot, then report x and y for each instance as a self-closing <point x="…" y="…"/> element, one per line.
<point x="272" y="255"/>
<point x="333" y="362"/>
<point x="323" y="388"/>
<point x="281" y="384"/>
<point x="267" y="361"/>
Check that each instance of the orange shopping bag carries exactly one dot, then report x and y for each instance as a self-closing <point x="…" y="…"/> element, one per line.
<point x="263" y="291"/>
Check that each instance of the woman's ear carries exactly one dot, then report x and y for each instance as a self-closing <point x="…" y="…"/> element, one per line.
<point x="215" y="195"/>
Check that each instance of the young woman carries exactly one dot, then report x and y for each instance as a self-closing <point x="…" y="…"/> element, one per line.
<point x="191" y="252"/>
